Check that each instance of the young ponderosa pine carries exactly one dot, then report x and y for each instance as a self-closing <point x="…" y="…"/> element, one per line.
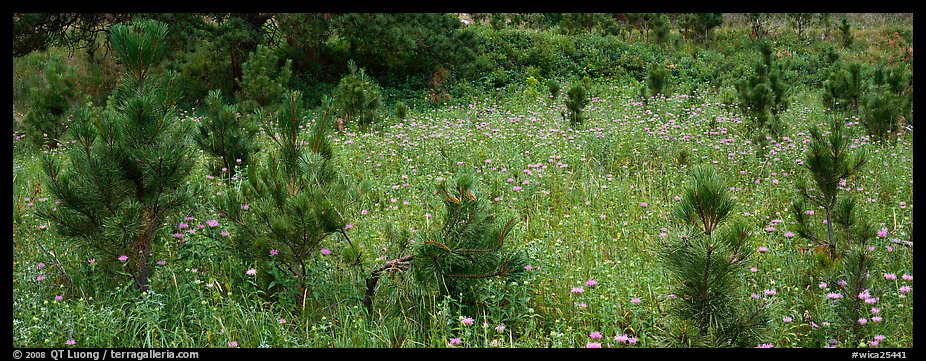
<point x="657" y="79"/>
<point x="226" y="135"/>
<point x="553" y="87"/>
<point x="127" y="171"/>
<point x="830" y="164"/>
<point x="467" y="249"/>
<point x="762" y="95"/>
<point x="263" y="81"/>
<point x="289" y="201"/>
<point x="889" y="101"/>
<point x="53" y="97"/>
<point x="707" y="264"/>
<point x="358" y="97"/>
<point x="576" y="100"/>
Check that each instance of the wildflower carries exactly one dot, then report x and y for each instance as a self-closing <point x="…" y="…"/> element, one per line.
<point x="348" y="226"/>
<point x="663" y="234"/>
<point x="905" y="289"/>
<point x="500" y="328"/>
<point x="621" y="338"/>
<point x="282" y="320"/>
<point x="755" y="295"/>
<point x="903" y="205"/>
<point x="834" y="295"/>
<point x="40" y="265"/>
<point x="770" y="292"/>
<point x="765" y="345"/>
<point x="325" y="251"/>
<point x="495" y="343"/>
<point x="822" y="285"/>
<point x="907" y="277"/>
<point x="787" y="319"/>
<point x="528" y="267"/>
<point x="223" y="234"/>
<point x="245" y="206"/>
<point x="91" y="261"/>
<point x="635" y="301"/>
<point x="769" y="229"/>
<point x="364" y="211"/>
<point x="233" y="344"/>
<point x="789" y="234"/>
<point x="183" y="225"/>
<point x="753" y="269"/>
<point x="274" y="252"/>
<point x="70" y="342"/>
<point x="467" y="321"/>
<point x="879" y="337"/>
<point x="643" y="204"/>
<point x="890" y="276"/>
<point x="809" y="211"/>
<point x="763" y="249"/>
<point x="455" y="341"/>
<point x="842" y="283"/>
<point x="516" y="188"/>
<point x="177" y="235"/>
<point x="632" y="340"/>
<point x="874" y="343"/>
<point x="862" y="321"/>
<point x="591" y="283"/>
<point x="876" y="319"/>
<point x="577" y="290"/>
<point x="162" y="262"/>
<point x="212" y="223"/>
<point x="123" y="258"/>
<point x="59" y="298"/>
<point x="593" y="345"/>
<point x="882" y="232"/>
<point x="595" y="335"/>
<point x="582" y="305"/>
<point x="251" y="272"/>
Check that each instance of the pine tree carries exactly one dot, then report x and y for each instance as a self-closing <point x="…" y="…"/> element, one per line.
<point x="226" y="134"/>
<point x="358" y="97"/>
<point x="707" y="264"/>
<point x="845" y="31"/>
<point x="657" y="79"/>
<point x="830" y="164"/>
<point x="576" y="100"/>
<point x="263" y="81"/>
<point x="290" y="199"/>
<point x="466" y="250"/>
<point x="53" y="98"/>
<point x="762" y="95"/>
<point x="127" y="171"/>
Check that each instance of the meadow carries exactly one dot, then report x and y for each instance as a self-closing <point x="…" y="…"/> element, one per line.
<point x="590" y="203"/>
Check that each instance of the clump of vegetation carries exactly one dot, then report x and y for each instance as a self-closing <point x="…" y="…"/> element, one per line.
<point x="657" y="79"/>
